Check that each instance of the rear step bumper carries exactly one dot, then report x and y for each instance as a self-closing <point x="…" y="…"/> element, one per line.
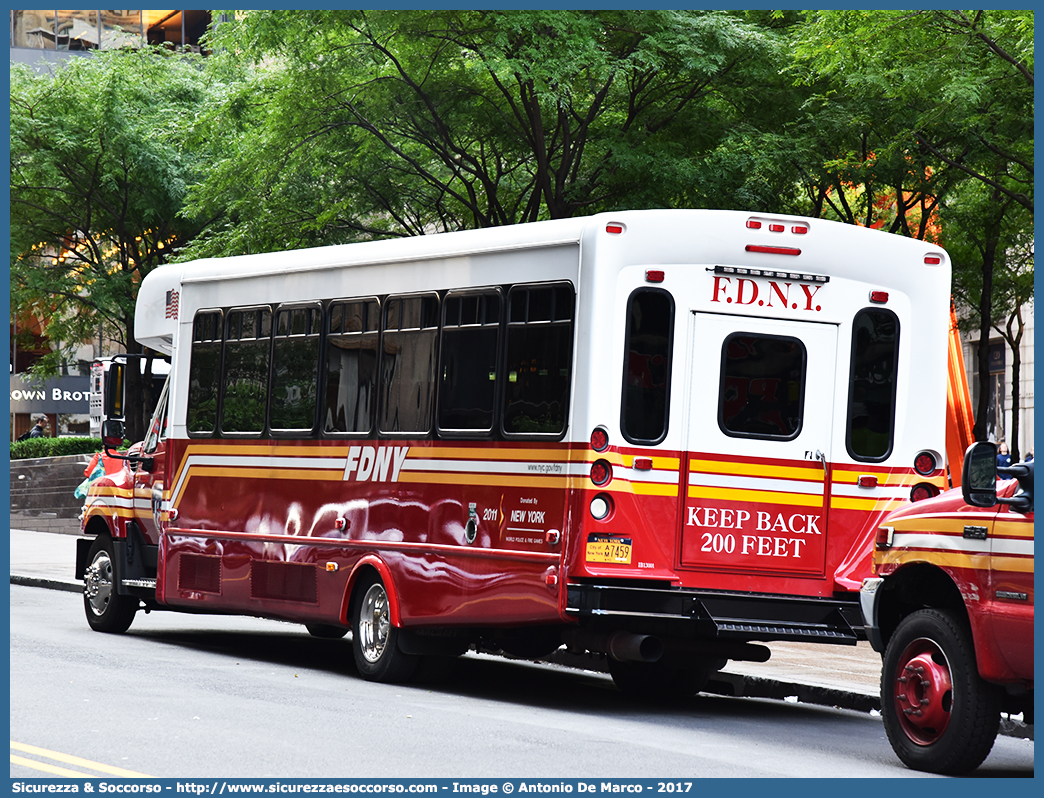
<point x="713" y="614"/>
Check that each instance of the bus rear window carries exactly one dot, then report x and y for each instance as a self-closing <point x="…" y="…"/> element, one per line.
<point x="539" y="359"/>
<point x="762" y="386"/>
<point x="647" y="366"/>
<point x="871" y="392"/>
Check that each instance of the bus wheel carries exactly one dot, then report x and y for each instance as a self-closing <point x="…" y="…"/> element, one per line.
<point x="659" y="681"/>
<point x="107" y="610"/>
<point x="326" y="631"/>
<point x="939" y="714"/>
<point x="374" y="639"/>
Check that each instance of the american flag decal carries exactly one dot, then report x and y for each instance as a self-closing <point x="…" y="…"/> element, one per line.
<point x="172" y="305"/>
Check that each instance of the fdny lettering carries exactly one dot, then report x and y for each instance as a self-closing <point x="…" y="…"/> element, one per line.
<point x="375" y="463"/>
<point x="745" y="291"/>
<point x="723" y="518"/>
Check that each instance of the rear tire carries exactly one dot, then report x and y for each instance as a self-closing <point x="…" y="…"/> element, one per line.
<point x="106" y="610"/>
<point x="939" y="714"/>
<point x="375" y="639"/>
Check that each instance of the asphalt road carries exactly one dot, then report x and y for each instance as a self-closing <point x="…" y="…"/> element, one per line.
<point x="222" y="697"/>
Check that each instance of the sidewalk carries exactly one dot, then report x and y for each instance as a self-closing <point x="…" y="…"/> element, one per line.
<point x="843" y="676"/>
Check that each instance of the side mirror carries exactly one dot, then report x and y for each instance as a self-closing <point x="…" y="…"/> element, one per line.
<point x="112" y="434"/>
<point x="979" y="479"/>
<point x="114" y="382"/>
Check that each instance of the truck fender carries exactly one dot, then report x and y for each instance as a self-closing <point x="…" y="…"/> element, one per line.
<point x="375" y="562"/>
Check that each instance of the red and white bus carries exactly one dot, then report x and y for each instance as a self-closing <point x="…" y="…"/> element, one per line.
<point x="658" y="435"/>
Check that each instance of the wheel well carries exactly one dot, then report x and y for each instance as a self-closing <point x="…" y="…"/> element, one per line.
<point x="96" y="527"/>
<point x="363" y="574"/>
<point x="913" y="588"/>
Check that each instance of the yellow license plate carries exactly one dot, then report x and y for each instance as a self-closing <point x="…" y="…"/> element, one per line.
<point x="601" y="548"/>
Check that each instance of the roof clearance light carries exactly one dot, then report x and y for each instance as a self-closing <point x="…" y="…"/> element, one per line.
<point x="932" y="260"/>
<point x="773" y="250"/>
<point x="654" y="276"/>
<point x="599" y="439"/>
<point x="777" y="228"/>
<point x="753" y="224"/>
<point x="614" y="228"/>
<point x="880" y="297"/>
<point x="799" y="229"/>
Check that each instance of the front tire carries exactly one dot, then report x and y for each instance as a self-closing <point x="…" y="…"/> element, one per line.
<point x="939" y="714"/>
<point x="106" y="610"/>
<point x="374" y="639"/>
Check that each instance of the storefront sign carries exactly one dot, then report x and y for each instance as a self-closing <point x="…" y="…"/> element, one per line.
<point x="57" y="395"/>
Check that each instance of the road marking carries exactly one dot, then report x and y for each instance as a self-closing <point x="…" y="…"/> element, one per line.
<point x="68" y="759"/>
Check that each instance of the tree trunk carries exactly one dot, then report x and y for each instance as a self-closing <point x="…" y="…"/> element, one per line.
<point x="989" y="259"/>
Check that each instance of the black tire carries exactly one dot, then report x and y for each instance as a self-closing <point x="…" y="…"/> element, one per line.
<point x="326" y="631"/>
<point x="375" y="639"/>
<point x="106" y="610"/>
<point x="939" y="714"/>
<point x="662" y="680"/>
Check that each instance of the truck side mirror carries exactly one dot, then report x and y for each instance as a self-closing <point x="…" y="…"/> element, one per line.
<point x="112" y="434"/>
<point x="114" y="383"/>
<point x="979" y="478"/>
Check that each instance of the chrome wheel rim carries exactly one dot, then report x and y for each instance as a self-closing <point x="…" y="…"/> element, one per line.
<point x="374" y="623"/>
<point x="97" y="583"/>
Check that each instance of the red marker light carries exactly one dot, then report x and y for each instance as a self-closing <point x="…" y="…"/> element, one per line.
<point x="883" y="538"/>
<point x="643" y="464"/>
<point x="880" y="297"/>
<point x="932" y="260"/>
<point x="753" y="224"/>
<point x="654" y="276"/>
<point x="799" y="229"/>
<point x="776" y="228"/>
<point x="614" y="228"/>
<point x="868" y="481"/>
<point x="773" y="250"/>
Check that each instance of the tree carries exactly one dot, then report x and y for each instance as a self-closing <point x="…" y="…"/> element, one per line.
<point x="963" y="117"/>
<point x="98" y="180"/>
<point x="362" y="124"/>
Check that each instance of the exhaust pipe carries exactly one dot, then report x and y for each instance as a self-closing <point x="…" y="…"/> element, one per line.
<point x="621" y="646"/>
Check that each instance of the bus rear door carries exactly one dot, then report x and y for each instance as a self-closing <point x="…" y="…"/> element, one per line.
<point x="758" y="445"/>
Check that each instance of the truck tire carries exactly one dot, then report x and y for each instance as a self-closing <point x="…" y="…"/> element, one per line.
<point x="106" y="610"/>
<point x="939" y="714"/>
<point x="374" y="639"/>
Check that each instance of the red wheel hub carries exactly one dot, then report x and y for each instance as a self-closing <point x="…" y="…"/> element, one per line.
<point x="923" y="692"/>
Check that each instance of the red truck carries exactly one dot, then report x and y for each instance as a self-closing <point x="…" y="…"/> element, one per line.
<point x="950" y="608"/>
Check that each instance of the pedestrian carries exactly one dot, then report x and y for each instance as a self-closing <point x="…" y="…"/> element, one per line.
<point x="40" y="430"/>
<point x="1003" y="457"/>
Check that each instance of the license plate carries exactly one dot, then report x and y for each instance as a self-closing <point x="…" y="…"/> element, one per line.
<point x="602" y="548"/>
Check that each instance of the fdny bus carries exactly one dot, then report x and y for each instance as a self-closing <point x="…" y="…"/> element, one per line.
<point x="661" y="437"/>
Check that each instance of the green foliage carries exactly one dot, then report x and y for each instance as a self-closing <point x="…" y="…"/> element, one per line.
<point x="357" y="125"/>
<point x="53" y="447"/>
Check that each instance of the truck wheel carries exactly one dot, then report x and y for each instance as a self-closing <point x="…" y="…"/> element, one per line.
<point x="939" y="714"/>
<point x="106" y="610"/>
<point x="374" y="639"/>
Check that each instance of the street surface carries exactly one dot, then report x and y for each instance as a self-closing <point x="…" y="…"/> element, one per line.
<point x="211" y="696"/>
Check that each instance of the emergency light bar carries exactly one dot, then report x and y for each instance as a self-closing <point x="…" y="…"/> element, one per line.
<point x="746" y="271"/>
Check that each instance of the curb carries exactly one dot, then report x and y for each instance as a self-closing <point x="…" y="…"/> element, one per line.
<point x="733" y="685"/>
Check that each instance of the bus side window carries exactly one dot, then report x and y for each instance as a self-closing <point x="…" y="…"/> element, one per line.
<point x="762" y="387"/>
<point x="410" y="332"/>
<point x="350" y="379"/>
<point x="468" y="362"/>
<point x="872" y="386"/>
<point x="295" y="368"/>
<point x="539" y="359"/>
<point x="204" y="371"/>
<point x="647" y="365"/>
<point x="248" y="343"/>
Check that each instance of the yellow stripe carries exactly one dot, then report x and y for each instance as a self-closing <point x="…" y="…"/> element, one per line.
<point x="238" y="472"/>
<point x="43" y="767"/>
<point x="1013" y="529"/>
<point x="1022" y="565"/>
<point x="554" y="455"/>
<point x="870" y="505"/>
<point x="68" y="759"/>
<point x="813" y="472"/>
<point x="951" y="559"/>
<point x="654" y="489"/>
<point x="757" y="496"/>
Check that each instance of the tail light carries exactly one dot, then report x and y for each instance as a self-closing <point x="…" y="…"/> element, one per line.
<point x="922" y="491"/>
<point x="599" y="439"/>
<point x="601" y="472"/>
<point x="925" y="464"/>
<point x="601" y="506"/>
